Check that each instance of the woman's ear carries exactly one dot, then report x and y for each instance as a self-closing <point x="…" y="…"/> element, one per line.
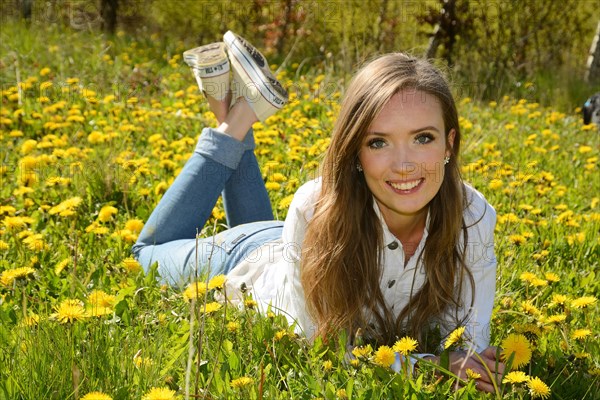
<point x="451" y="136"/>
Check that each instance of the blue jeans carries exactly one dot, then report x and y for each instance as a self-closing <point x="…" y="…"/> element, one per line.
<point x="220" y="165"/>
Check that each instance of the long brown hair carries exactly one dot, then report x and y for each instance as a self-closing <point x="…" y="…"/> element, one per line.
<point x="341" y="265"/>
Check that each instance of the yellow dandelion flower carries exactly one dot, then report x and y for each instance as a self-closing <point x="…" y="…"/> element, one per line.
<point x="327" y="365"/>
<point x="162" y="393"/>
<point x="284" y="203"/>
<point x="70" y="310"/>
<point x="131" y="265"/>
<point x="217" y="282"/>
<point x="96" y="396"/>
<point x="472" y="374"/>
<point x="517" y="239"/>
<point x="107" y="213"/>
<point x="242" y="382"/>
<point x="16" y="223"/>
<point x="537" y="282"/>
<point x="134" y="225"/>
<point x="31" y="320"/>
<point x="558" y="300"/>
<point x="454" y="337"/>
<point x="362" y="351"/>
<point x="45" y="71"/>
<point x="583" y="302"/>
<point x="250" y="303"/>
<point x="66" y="208"/>
<point x="194" y="290"/>
<point x="519" y="346"/>
<point x="278" y="177"/>
<point x="272" y="185"/>
<point x="99" y="298"/>
<point x="495" y="184"/>
<point x="556" y="319"/>
<point x="515" y="377"/>
<point x="4" y="245"/>
<point x="527" y="276"/>
<point x="355" y="362"/>
<point x="8" y="210"/>
<point x="537" y="388"/>
<point x="341" y="394"/>
<point x="552" y="277"/>
<point x="211" y="307"/>
<point x="581" y="333"/>
<point x="280" y="335"/>
<point x="16" y="274"/>
<point x="384" y="356"/>
<point x="528" y="308"/>
<point x="142" y="362"/>
<point x="233" y="326"/>
<point x="35" y="242"/>
<point x="405" y="345"/>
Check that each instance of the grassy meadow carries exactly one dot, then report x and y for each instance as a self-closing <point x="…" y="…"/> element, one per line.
<point x="92" y="133"/>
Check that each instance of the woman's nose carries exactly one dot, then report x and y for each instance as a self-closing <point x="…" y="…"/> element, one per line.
<point x="402" y="161"/>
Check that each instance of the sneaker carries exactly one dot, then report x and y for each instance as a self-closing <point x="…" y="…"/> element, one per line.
<point x="210" y="66"/>
<point x="252" y="77"/>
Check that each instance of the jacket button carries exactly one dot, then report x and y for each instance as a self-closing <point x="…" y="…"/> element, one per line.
<point x="393" y="246"/>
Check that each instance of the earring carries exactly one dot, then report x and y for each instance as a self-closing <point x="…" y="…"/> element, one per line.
<point x="446" y="160"/>
<point x="359" y="167"/>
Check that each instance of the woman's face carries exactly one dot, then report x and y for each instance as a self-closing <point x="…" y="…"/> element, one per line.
<point x="402" y="155"/>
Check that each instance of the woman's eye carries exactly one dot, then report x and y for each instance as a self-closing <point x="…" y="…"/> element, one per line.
<point x="376" y="143"/>
<point x="424" y="138"/>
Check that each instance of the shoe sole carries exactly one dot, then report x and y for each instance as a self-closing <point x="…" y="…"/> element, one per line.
<point x="210" y="66"/>
<point x="209" y="60"/>
<point x="254" y="65"/>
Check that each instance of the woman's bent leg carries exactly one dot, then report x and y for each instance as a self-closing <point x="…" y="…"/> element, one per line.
<point x="245" y="197"/>
<point x="187" y="204"/>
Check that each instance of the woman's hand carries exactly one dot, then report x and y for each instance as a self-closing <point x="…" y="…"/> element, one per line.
<point x="461" y="361"/>
<point x="480" y="363"/>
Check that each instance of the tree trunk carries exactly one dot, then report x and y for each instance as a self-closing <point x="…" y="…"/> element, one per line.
<point x="25" y="7"/>
<point x="434" y="43"/>
<point x="287" y="17"/>
<point x="592" y="73"/>
<point x="108" y="10"/>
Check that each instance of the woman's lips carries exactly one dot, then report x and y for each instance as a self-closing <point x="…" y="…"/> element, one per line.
<point x="406" y="186"/>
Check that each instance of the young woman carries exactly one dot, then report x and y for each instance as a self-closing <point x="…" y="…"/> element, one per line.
<point x="389" y="241"/>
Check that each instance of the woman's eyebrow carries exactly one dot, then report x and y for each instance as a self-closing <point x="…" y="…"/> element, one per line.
<point x="412" y="132"/>
<point x="426" y="128"/>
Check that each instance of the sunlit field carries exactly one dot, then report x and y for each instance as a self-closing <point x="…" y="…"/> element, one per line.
<point x="94" y="131"/>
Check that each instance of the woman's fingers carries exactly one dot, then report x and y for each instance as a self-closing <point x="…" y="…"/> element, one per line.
<point x="484" y="386"/>
<point x="479" y="363"/>
<point x="490" y="352"/>
<point x="488" y="356"/>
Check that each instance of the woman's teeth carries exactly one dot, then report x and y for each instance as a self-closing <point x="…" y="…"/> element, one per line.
<point x="405" y="185"/>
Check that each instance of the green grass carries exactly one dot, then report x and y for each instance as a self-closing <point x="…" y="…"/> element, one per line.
<point x="537" y="167"/>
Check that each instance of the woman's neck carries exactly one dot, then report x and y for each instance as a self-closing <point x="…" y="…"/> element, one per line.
<point x="408" y="229"/>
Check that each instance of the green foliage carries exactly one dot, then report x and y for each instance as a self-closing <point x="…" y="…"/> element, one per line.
<point x="118" y="135"/>
<point x="494" y="48"/>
